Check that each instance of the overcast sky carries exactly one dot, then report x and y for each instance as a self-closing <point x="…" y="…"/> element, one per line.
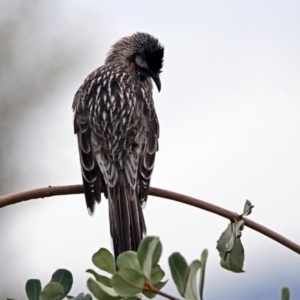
<point x="229" y="116"/>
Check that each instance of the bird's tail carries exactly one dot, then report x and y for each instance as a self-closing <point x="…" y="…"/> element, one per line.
<point x="127" y="224"/>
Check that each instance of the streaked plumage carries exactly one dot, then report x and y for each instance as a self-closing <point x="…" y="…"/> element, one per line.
<point x="117" y="129"/>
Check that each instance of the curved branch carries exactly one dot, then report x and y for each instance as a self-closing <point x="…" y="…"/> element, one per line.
<point x="78" y="189"/>
<point x="40" y="193"/>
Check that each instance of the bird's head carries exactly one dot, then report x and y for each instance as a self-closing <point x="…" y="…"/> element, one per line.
<point x="142" y="53"/>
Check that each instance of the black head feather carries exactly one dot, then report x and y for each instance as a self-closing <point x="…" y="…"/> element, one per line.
<point x="150" y="49"/>
<point x="142" y="52"/>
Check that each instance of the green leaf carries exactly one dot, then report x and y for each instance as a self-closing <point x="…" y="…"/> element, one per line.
<point x="190" y="292"/>
<point x="149" y="294"/>
<point x="65" y="278"/>
<point x="179" y="271"/>
<point x="237" y="257"/>
<point x="129" y="260"/>
<point x="240" y="227"/>
<point x="105" y="261"/>
<point x="222" y="241"/>
<point x="157" y="274"/>
<point x="33" y="289"/>
<point x="230" y="260"/>
<point x="143" y="248"/>
<point x="204" y="256"/>
<point x="226" y="241"/>
<point x="100" y="278"/>
<point x="234" y="260"/>
<point x="81" y="296"/>
<point x="157" y="253"/>
<point x="128" y="282"/>
<point x="247" y="208"/>
<point x="148" y="254"/>
<point x="285" y="293"/>
<point x="230" y="243"/>
<point x="100" y="291"/>
<point x="236" y="228"/>
<point x="87" y="297"/>
<point x="158" y="286"/>
<point x="52" y="291"/>
<point x="78" y="297"/>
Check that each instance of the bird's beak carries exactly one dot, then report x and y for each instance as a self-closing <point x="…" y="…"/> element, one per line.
<point x="156" y="79"/>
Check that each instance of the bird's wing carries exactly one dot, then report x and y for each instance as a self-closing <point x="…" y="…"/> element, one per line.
<point x="91" y="174"/>
<point x="147" y="159"/>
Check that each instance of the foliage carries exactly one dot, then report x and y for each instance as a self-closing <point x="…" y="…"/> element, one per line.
<point x="285" y="293"/>
<point x="57" y="289"/>
<point x="134" y="274"/>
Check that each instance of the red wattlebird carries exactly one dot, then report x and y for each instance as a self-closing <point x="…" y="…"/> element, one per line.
<point x="117" y="129"/>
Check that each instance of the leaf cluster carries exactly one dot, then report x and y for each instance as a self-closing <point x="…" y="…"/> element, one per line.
<point x="57" y="289"/>
<point x="133" y="273"/>
<point x="185" y="276"/>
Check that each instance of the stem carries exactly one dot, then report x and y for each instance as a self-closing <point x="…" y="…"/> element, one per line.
<point x="151" y="288"/>
<point x="78" y="189"/>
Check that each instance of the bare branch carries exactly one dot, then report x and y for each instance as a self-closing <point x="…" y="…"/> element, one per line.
<point x="78" y="189"/>
<point x="40" y="193"/>
<point x="226" y="214"/>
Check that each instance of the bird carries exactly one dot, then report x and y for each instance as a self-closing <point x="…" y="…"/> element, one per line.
<point x="117" y="130"/>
